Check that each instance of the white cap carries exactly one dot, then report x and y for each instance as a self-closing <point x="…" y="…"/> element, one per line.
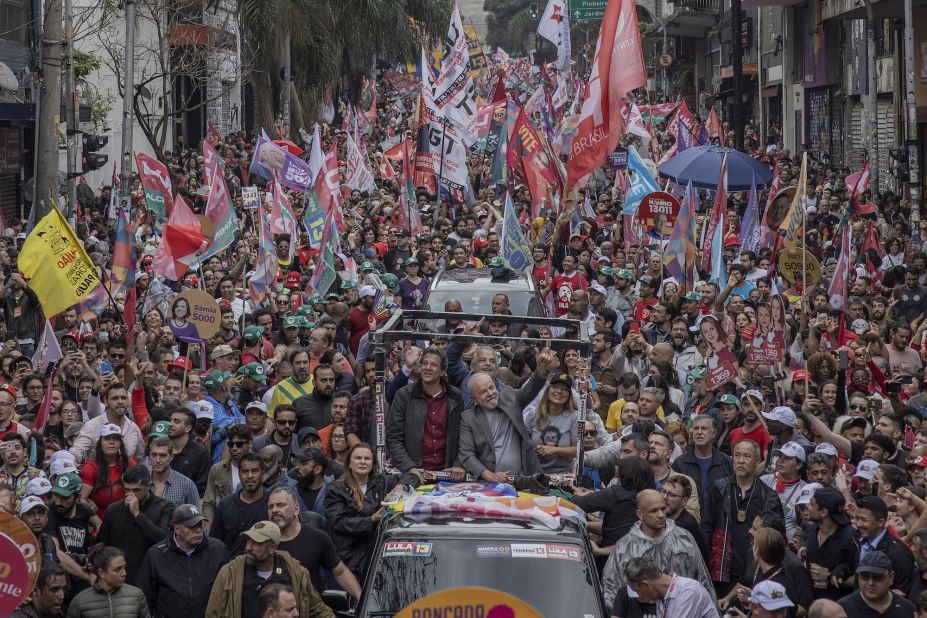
<point x="256" y="405"/>
<point x="62" y="466"/>
<point x="783" y="414"/>
<point x="109" y="429"/>
<point x="367" y="290"/>
<point x="756" y="395"/>
<point x="202" y="409"/>
<point x="62" y="455"/>
<point x="598" y="287"/>
<point x="827" y="448"/>
<point x="866" y="469"/>
<point x="770" y="596"/>
<point x="39" y="486"/>
<point x="792" y="449"/>
<point x="807" y="492"/>
<point x="30" y="502"/>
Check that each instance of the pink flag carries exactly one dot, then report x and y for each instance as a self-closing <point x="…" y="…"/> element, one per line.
<point x="858" y="183"/>
<point x="717" y="213"/>
<point x="617" y="70"/>
<point x="180" y="243"/>
<point x="838" y="291"/>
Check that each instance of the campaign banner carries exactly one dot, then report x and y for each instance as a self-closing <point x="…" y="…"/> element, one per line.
<point x="292" y="171"/>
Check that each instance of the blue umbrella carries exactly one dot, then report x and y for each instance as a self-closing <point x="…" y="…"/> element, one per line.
<point x="702" y="165"/>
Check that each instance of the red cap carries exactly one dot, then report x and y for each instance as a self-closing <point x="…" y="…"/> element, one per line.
<point x="920" y="460"/>
<point x="480" y="243"/>
<point x="8" y="388"/>
<point x="731" y="241"/>
<point x="293" y="280"/>
<point x="181" y="362"/>
<point x="798" y="375"/>
<point x="193" y="281"/>
<point x="148" y="259"/>
<point x="865" y="209"/>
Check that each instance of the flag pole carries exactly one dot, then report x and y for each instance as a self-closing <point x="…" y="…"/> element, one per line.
<point x="440" y="168"/>
<point x="804" y="231"/>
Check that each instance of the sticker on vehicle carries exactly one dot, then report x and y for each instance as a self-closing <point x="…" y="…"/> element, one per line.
<point x="493" y="551"/>
<point x="563" y="552"/>
<point x="406" y="548"/>
<point x="529" y="550"/>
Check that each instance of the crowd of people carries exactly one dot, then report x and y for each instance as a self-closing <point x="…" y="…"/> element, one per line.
<point x="748" y="448"/>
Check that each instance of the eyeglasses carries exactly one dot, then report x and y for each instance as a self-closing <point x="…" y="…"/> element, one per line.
<point x="338" y="436"/>
<point x="293" y="422"/>
<point x="591" y="433"/>
<point x="857" y="407"/>
<point x="117" y="356"/>
<point x="671" y="495"/>
<point x="238" y="444"/>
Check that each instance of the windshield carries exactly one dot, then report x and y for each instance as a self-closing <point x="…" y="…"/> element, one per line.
<point x="408" y="570"/>
<point x="475" y="300"/>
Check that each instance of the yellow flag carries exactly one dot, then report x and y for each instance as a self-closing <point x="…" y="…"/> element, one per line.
<point x="793" y="220"/>
<point x="54" y="262"/>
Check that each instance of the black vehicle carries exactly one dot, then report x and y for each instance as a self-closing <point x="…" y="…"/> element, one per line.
<point x="417" y="554"/>
<point x="475" y="287"/>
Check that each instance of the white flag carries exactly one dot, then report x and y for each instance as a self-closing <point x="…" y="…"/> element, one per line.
<point x="454" y="91"/>
<point x="48" y="351"/>
<point x="357" y="175"/>
<point x="555" y="27"/>
<point x="636" y="124"/>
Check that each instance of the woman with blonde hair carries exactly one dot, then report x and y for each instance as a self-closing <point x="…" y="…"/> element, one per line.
<point x="553" y="426"/>
<point x="352" y="507"/>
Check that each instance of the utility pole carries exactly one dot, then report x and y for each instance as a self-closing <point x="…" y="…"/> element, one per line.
<point x="128" y="96"/>
<point x="74" y="140"/>
<point x="38" y="34"/>
<point x="914" y="165"/>
<point x="287" y="85"/>
<point x="737" y="60"/>
<point x="46" y="169"/>
<point x="872" y="146"/>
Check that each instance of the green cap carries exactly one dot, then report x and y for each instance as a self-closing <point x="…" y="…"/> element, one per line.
<point x="348" y="284"/>
<point x="367" y="266"/>
<point x="291" y="321"/>
<point x="730" y="399"/>
<point x="497" y="262"/>
<point x="67" y="485"/>
<point x="412" y="260"/>
<point x="314" y="298"/>
<point x="697" y="373"/>
<point x="332" y="297"/>
<point x="304" y="322"/>
<point x="159" y="429"/>
<point x="391" y="281"/>
<point x="253" y="333"/>
<point x="255" y="371"/>
<point x="693" y="296"/>
<point x="624" y="273"/>
<point x="215" y="380"/>
<point x="607" y="271"/>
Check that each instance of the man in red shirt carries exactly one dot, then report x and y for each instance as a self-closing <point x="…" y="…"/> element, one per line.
<point x="752" y="429"/>
<point x="564" y="285"/>
<point x="359" y="316"/>
<point x="7" y="407"/>
<point x="647" y="288"/>
<point x="541" y="269"/>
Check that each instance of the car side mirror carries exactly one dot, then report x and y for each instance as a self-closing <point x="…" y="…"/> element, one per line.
<point x="340" y="602"/>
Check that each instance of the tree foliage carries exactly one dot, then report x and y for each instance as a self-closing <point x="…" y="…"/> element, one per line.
<point x="510" y="25"/>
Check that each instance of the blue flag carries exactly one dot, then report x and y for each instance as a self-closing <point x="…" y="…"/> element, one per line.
<point x="642" y="183"/>
<point x="750" y="228"/>
<point x="515" y="250"/>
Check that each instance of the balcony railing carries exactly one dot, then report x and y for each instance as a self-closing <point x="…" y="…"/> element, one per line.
<point x="698" y="5"/>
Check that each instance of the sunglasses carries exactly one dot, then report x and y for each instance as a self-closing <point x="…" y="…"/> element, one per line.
<point x="117" y="356"/>
<point x="857" y="407"/>
<point x="590" y="433"/>
<point x="293" y="422"/>
<point x="237" y="444"/>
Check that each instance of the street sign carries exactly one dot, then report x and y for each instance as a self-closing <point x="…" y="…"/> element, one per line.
<point x="587" y="10"/>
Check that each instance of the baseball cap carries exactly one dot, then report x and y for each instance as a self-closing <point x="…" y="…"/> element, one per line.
<point x="831" y="499"/>
<point x="770" y="596"/>
<point x="648" y="281"/>
<point x="807" y="492"/>
<point x="866" y="469"/>
<point x="875" y="562"/>
<point x="221" y="350"/>
<point x="792" y="449"/>
<point x="595" y="286"/>
<point x="160" y="429"/>
<point x="860" y="327"/>
<point x="187" y="515"/>
<point x="729" y="399"/>
<point x="293" y="280"/>
<point x="181" y="362"/>
<point x="67" y="485"/>
<point x="827" y="448"/>
<point x="798" y="375"/>
<point x="854" y="421"/>
<point x="291" y="321"/>
<point x="783" y="414"/>
<point x="39" y="486"/>
<point x="625" y="273"/>
<point x="348" y="284"/>
<point x="202" y="409"/>
<point x="755" y="394"/>
<point x="30" y="502"/>
<point x="263" y="531"/>
<point x="693" y="296"/>
<point x="607" y="270"/>
<point x="697" y="373"/>
<point x="919" y="461"/>
<point x="62" y="466"/>
<point x="414" y="260"/>
<point x="214" y="380"/>
<point x="391" y="281"/>
<point x="305" y="432"/>
<point x="254" y="370"/>
<point x="563" y="379"/>
<point x="109" y="429"/>
<point x="256" y="405"/>
<point x="253" y="333"/>
<point x="313" y="454"/>
<point x="6" y="386"/>
<point x="367" y="266"/>
<point x="367" y="290"/>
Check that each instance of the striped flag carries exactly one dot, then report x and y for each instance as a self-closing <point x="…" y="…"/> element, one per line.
<point x="679" y="256"/>
<point x="715" y="222"/>
<point x="750" y="227"/>
<point x="267" y="264"/>
<point x="324" y="274"/>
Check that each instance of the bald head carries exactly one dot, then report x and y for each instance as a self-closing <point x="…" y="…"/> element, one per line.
<point x="482" y="390"/>
<point x="662" y="352"/>
<point x="271" y="456"/>
<point x="825" y="608"/>
<point x="648" y="498"/>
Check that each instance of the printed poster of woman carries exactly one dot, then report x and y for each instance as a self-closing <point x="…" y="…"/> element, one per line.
<point x="768" y="345"/>
<point x="720" y="360"/>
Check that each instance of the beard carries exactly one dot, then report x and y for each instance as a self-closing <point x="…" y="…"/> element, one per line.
<point x="305" y="481"/>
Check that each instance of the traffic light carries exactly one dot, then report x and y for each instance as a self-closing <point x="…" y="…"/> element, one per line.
<point x="92" y="159"/>
<point x="534" y="10"/>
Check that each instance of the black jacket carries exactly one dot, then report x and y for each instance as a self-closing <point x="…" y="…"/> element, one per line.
<point x="350" y="526"/>
<point x="405" y="426"/>
<point x="134" y="535"/>
<point x="719" y="468"/>
<point x="194" y="462"/>
<point x="313" y="411"/>
<point x="839" y="554"/>
<point x="233" y="516"/>
<point x="177" y="585"/>
<point x="902" y="561"/>
<point x="620" y="507"/>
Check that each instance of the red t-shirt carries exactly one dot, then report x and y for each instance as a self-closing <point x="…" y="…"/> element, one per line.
<point x="541" y="275"/>
<point x="357" y="327"/>
<point x="642" y="310"/>
<point x="108" y="495"/>
<point x="758" y="435"/>
<point x="564" y="286"/>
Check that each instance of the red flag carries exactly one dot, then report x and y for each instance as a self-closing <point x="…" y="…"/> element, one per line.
<point x="330" y="188"/>
<point x="386" y="169"/>
<point x="499" y="93"/>
<point x="41" y="417"/>
<point x="714" y="128"/>
<point x="618" y="69"/>
<point x="717" y="213"/>
<point x="212" y="134"/>
<point x="859" y="182"/>
<point x="180" y="243"/>
<point x="129" y="312"/>
<point x="871" y="244"/>
<point x="838" y="290"/>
